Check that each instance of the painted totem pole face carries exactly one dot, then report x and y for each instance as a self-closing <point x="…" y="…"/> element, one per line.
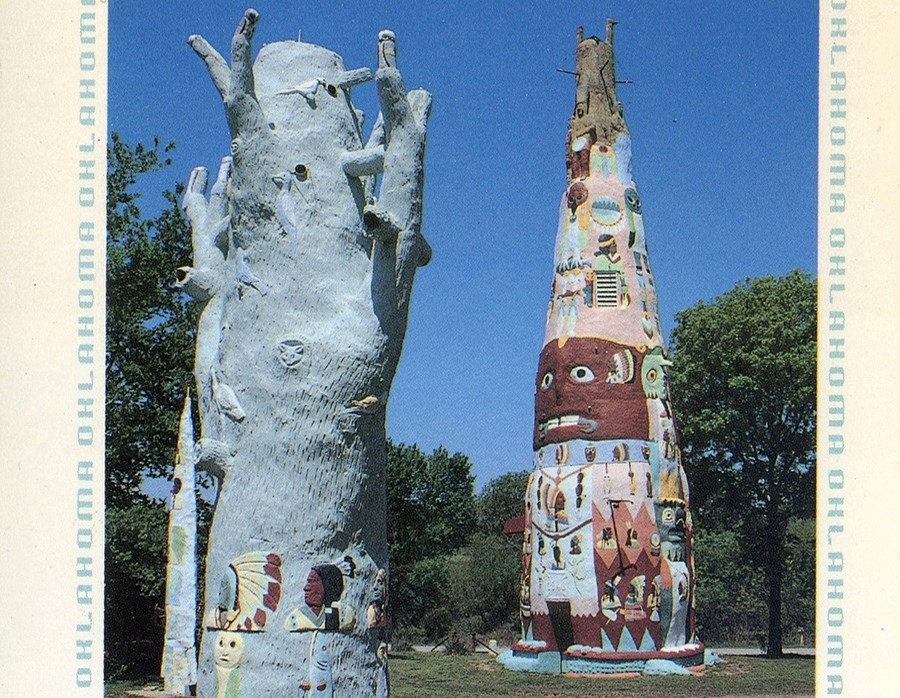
<point x="575" y="400"/>
<point x="632" y="200"/>
<point x="670" y="520"/>
<point x="577" y="195"/>
<point x="653" y="376"/>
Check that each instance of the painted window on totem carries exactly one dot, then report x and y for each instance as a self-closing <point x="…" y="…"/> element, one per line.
<point x="606" y="289"/>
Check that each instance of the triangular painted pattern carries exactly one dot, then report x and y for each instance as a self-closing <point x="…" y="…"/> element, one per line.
<point x="626" y="642"/>
<point x="647" y="643"/>
<point x="606" y="643"/>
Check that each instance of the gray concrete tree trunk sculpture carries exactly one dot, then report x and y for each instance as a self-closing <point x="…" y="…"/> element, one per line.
<point x="305" y="277"/>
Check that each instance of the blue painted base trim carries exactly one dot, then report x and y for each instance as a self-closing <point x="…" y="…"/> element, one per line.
<point x="538" y="662"/>
<point x="553" y="663"/>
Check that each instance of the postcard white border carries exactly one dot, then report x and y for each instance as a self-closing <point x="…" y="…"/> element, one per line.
<point x="42" y="54"/>
<point x="53" y="77"/>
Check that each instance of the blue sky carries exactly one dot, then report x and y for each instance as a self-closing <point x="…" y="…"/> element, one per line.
<point x="722" y="112"/>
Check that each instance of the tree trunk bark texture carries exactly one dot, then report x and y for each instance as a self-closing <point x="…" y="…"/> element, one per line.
<point x="305" y="278"/>
<point x="776" y="524"/>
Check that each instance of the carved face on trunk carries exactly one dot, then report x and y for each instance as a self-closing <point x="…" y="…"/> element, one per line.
<point x="228" y="650"/>
<point x="324" y="586"/>
<point x="314" y="591"/>
<point x="575" y="401"/>
<point x="653" y="375"/>
<point x="670" y="520"/>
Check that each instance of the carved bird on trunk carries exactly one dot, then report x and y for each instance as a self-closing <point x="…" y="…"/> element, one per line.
<point x="285" y="211"/>
<point x="246" y="277"/>
<point x="226" y="400"/>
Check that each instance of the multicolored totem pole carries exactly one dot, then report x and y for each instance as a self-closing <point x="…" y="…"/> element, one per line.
<point x="607" y="572"/>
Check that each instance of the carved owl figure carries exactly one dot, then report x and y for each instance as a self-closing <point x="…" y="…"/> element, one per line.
<point x="577" y="195"/>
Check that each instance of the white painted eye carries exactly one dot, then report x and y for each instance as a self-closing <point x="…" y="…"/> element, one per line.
<point x="547" y="380"/>
<point x="582" y="374"/>
<point x="668" y="516"/>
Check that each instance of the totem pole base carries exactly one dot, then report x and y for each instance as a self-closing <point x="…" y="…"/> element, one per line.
<point x="579" y="660"/>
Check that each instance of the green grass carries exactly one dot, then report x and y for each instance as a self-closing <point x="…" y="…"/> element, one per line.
<point x="474" y="676"/>
<point x="120" y="688"/>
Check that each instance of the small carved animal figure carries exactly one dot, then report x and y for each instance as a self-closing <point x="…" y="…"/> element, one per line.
<point x="285" y="210"/>
<point x="226" y="400"/>
<point x="246" y="277"/>
<point x="368" y="405"/>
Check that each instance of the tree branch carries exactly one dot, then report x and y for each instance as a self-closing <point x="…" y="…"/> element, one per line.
<point x="242" y="57"/>
<point x="218" y="69"/>
<point x="209" y="225"/>
<point x="397" y="216"/>
<point x="235" y="85"/>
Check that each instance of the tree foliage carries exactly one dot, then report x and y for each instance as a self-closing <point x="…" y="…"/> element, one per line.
<point x="744" y="385"/>
<point x="431" y="502"/>
<point x="731" y="590"/>
<point x="135" y="577"/>
<point x="501" y="499"/>
<point x="484" y="583"/>
<point x="148" y="366"/>
<point x="451" y="567"/>
<point x="431" y="515"/>
<point x="150" y="328"/>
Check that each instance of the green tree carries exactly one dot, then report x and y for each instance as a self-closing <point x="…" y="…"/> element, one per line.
<point x="731" y="598"/>
<point x="135" y="577"/>
<point x="744" y="384"/>
<point x="431" y="515"/>
<point x="150" y="328"/>
<point x="800" y="581"/>
<point x="484" y="575"/>
<point x="148" y="366"/>
<point x="484" y="582"/>
<point x="501" y="499"/>
<point x="431" y="502"/>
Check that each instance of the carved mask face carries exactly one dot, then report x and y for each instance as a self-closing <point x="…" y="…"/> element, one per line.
<point x="574" y="401"/>
<point x="290" y="352"/>
<point x="670" y="520"/>
<point x="653" y="377"/>
<point x="576" y="196"/>
<point x="632" y="200"/>
<point x="228" y="650"/>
